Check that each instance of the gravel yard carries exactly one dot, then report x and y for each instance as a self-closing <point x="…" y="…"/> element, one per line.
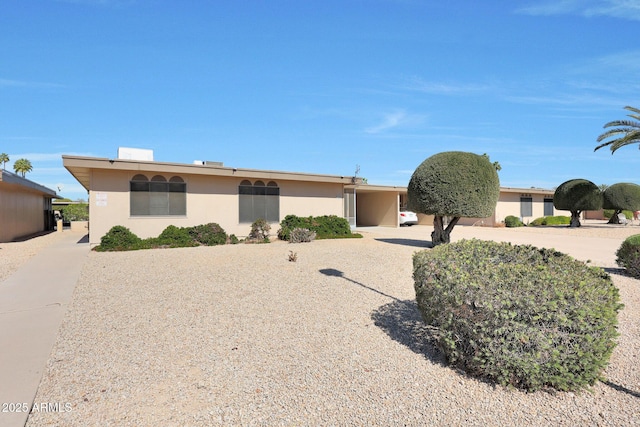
<point x="239" y="335"/>
<point x="14" y="254"/>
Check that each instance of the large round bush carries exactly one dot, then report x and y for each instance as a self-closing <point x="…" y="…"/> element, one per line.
<point x="519" y="315"/>
<point x="628" y="255"/>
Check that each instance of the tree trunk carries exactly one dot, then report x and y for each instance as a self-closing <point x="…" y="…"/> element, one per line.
<point x="575" y="219"/>
<point x="614" y="218"/>
<point x="440" y="234"/>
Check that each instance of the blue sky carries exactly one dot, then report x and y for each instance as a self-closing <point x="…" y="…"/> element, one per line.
<point x="321" y="86"/>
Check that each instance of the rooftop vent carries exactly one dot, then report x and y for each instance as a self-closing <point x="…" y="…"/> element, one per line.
<point x="207" y="163"/>
<point x="126" y="153"/>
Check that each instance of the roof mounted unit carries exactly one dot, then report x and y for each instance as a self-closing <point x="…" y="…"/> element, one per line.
<point x="126" y="153"/>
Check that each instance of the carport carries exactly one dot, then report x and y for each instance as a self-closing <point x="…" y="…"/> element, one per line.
<point x="377" y="205"/>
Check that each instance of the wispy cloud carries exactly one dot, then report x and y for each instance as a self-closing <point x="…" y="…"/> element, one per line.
<point x="419" y="85"/>
<point x="44" y="157"/>
<point x="393" y="120"/>
<point x="624" y="9"/>
<point x="9" y="83"/>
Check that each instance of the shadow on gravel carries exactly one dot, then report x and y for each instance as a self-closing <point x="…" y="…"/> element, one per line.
<point x="407" y="242"/>
<point x="621" y="389"/>
<point x="402" y="321"/>
<point x="618" y="271"/>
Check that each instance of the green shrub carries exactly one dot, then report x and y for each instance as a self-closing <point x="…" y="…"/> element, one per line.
<point x="301" y="235"/>
<point x="233" y="239"/>
<point x="513" y="221"/>
<point x="608" y="213"/>
<point x="173" y="236"/>
<point x="628" y="255"/>
<point x="518" y="315"/>
<point x="552" y="220"/>
<point x="260" y="230"/>
<point x="210" y="234"/>
<point x="79" y="212"/>
<point x="120" y="238"/>
<point x="325" y="227"/>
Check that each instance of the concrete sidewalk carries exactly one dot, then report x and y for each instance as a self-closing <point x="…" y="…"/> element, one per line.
<point x="33" y="302"/>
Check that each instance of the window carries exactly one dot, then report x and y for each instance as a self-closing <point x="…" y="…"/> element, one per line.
<point x="158" y="196"/>
<point x="548" y="207"/>
<point x="259" y="201"/>
<point x="526" y="206"/>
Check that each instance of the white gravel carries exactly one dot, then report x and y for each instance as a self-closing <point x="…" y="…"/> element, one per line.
<point x="14" y="255"/>
<point x="239" y="335"/>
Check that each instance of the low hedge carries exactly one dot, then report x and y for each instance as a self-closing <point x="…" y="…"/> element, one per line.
<point x="518" y="315"/>
<point x="552" y="220"/>
<point x="513" y="221"/>
<point x="120" y="238"/>
<point x="628" y="255"/>
<point x="325" y="227"/>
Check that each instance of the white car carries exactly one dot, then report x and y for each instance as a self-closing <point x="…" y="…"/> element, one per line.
<point x="408" y="218"/>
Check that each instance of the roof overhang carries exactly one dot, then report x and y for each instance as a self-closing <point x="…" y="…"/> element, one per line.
<point x="81" y="167"/>
<point x="13" y="179"/>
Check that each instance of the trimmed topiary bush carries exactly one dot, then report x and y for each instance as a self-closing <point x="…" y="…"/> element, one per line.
<point x="619" y="197"/>
<point x="513" y="221"/>
<point x="119" y="238"/>
<point x="325" y="227"/>
<point x="577" y="195"/>
<point x="521" y="316"/>
<point x="628" y="255"/>
<point x="454" y="184"/>
<point x="210" y="234"/>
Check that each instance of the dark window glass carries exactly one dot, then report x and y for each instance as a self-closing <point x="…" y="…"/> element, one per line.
<point x="259" y="201"/>
<point x="158" y="197"/>
<point x="526" y="206"/>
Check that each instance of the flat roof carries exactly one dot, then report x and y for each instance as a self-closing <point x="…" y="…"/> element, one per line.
<point x="80" y="167"/>
<point x="11" y="178"/>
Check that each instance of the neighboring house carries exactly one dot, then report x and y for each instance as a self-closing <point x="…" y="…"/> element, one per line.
<point x="524" y="203"/>
<point x="147" y="196"/>
<point x="25" y="207"/>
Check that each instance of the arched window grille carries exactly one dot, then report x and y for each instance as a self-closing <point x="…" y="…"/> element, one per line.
<point x="157" y="197"/>
<point x="259" y="201"/>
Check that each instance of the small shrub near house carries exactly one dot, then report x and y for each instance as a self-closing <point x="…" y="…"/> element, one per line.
<point x="608" y="213"/>
<point x="210" y="234"/>
<point x="628" y="255"/>
<point x="325" y="227"/>
<point x="513" y="221"/>
<point x="175" y="237"/>
<point x="518" y="315"/>
<point x="301" y="235"/>
<point x="260" y="231"/>
<point x="551" y="220"/>
<point x="120" y="238"/>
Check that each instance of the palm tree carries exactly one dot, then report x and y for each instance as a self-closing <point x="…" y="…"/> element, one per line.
<point x="22" y="166"/>
<point x="627" y="132"/>
<point x="4" y="158"/>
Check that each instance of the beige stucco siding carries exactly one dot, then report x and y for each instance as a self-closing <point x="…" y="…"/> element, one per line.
<point x="377" y="208"/>
<point x="21" y="212"/>
<point x="509" y="204"/>
<point x="209" y="199"/>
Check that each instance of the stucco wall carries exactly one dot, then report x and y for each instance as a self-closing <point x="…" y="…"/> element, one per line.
<point x="21" y="212"/>
<point x="209" y="199"/>
<point x="509" y="204"/>
<point x="377" y="209"/>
